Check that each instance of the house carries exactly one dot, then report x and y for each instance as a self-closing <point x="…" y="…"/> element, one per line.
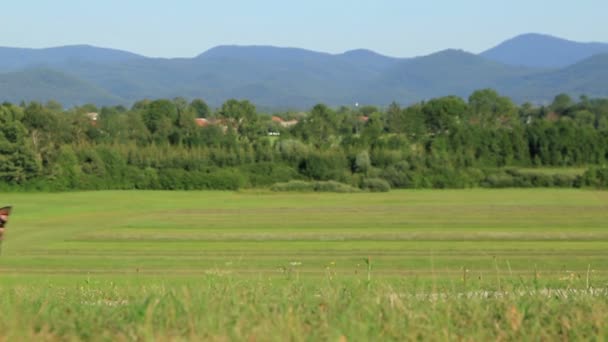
<point x="363" y="118"/>
<point x="552" y="116"/>
<point x="284" y="123"/>
<point x="93" y="118"/>
<point x="201" y="122"/>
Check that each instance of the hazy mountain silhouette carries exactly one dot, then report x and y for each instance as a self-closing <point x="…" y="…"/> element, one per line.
<point x="298" y="78"/>
<point x="587" y="77"/>
<point x="13" y="59"/>
<point x="44" y="84"/>
<point x="542" y="51"/>
<point x="448" y="72"/>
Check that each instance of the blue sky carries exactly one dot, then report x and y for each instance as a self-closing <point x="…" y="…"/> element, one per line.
<point x="185" y="28"/>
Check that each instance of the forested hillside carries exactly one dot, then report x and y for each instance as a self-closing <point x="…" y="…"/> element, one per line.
<point x="175" y="144"/>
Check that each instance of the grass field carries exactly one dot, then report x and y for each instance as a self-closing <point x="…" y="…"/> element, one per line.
<point x="275" y="266"/>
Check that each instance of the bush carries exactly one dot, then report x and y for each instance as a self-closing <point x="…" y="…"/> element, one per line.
<point x="511" y="177"/>
<point x="375" y="185"/>
<point x="541" y="180"/>
<point x="143" y="179"/>
<point x="220" y="179"/>
<point x="596" y="177"/>
<point x="302" y="186"/>
<point x="291" y="150"/>
<point x="293" y="186"/>
<point x="383" y="158"/>
<point x="333" y="186"/>
<point x="171" y="179"/>
<point x="362" y="162"/>
<point x="449" y="178"/>
<point x="323" y="166"/>
<point x="499" y="180"/>
<point x="268" y="173"/>
<point x="398" y="175"/>
<point x="566" y="181"/>
<point x="474" y="176"/>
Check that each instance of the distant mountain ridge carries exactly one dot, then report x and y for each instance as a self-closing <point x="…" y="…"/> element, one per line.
<point x="542" y="51"/>
<point x="278" y="77"/>
<point x="42" y="84"/>
<point x="587" y="77"/>
<point x="12" y="59"/>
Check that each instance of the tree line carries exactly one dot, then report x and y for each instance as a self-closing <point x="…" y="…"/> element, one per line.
<point x="448" y="142"/>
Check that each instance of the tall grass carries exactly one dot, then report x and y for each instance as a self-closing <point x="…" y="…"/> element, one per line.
<point x="290" y="309"/>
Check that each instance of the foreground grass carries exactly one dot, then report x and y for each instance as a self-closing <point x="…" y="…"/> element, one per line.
<point x="225" y="308"/>
<point x="432" y="265"/>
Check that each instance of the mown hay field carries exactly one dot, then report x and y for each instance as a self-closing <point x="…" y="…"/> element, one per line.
<point x="258" y="265"/>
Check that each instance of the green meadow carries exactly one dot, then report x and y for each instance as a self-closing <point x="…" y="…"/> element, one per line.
<point x="433" y="264"/>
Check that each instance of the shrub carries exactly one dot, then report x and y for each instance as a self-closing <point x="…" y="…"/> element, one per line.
<point x="291" y="150"/>
<point x="446" y="178"/>
<point x="333" y="186"/>
<point x="143" y="179"/>
<point x="541" y="180"/>
<point x="566" y="181"/>
<point x="293" y="186"/>
<point x="375" y="185"/>
<point x="596" y="177"/>
<point x="171" y="179"/>
<point x="399" y="175"/>
<point x="221" y="179"/>
<point x="323" y="166"/>
<point x="362" y="162"/>
<point x="499" y="180"/>
<point x="268" y="173"/>
<point x="302" y="186"/>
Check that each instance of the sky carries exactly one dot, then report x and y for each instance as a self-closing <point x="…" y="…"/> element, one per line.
<point x="398" y="28"/>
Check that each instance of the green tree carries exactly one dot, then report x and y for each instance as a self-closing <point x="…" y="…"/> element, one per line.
<point x="561" y="104"/>
<point x="585" y="118"/>
<point x="242" y="117"/>
<point x="200" y="108"/>
<point x="160" y="117"/>
<point x="18" y="161"/>
<point x="396" y="121"/>
<point x="488" y="109"/>
<point x="373" y="129"/>
<point x="444" y="113"/>
<point x="362" y="162"/>
<point x="320" y="127"/>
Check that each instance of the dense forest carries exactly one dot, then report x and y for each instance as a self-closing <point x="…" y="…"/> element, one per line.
<point x="447" y="142"/>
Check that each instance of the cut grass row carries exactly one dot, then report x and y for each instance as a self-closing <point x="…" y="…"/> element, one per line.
<point x="403" y="231"/>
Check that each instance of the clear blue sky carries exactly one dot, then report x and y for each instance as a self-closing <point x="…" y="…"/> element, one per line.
<point x="400" y="28"/>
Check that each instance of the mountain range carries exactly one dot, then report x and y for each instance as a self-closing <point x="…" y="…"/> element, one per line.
<point x="529" y="67"/>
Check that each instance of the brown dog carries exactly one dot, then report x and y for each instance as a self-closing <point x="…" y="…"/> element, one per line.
<point x="4" y="214"/>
